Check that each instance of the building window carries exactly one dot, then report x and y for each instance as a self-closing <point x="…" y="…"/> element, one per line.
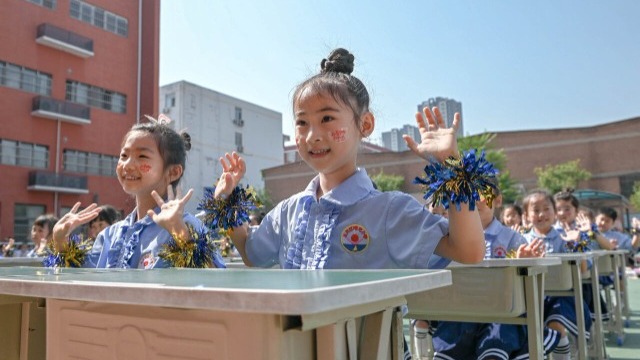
<point x="22" y="78"/>
<point x="50" y="4"/>
<point x="238" y="114"/>
<point x="23" y="217"/>
<point x="90" y="163"/>
<point x="23" y="154"/>
<point x="95" y="96"/>
<point x="239" y="147"/>
<point x="99" y="17"/>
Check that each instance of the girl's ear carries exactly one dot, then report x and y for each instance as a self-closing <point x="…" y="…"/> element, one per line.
<point x="175" y="172"/>
<point x="367" y="124"/>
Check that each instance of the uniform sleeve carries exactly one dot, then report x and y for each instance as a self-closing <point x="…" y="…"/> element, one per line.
<point x="413" y="233"/>
<point x="264" y="241"/>
<point x="102" y="243"/>
<point x="516" y="241"/>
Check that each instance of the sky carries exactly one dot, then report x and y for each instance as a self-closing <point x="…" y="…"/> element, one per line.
<point x="514" y="65"/>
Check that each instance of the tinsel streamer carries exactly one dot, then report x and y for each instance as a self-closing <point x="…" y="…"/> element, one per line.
<point x="512" y="254"/>
<point x="581" y="245"/>
<point x="71" y="255"/>
<point x="196" y="252"/>
<point x="230" y="212"/>
<point x="460" y="180"/>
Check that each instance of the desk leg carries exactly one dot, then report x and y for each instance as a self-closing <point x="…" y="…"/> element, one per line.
<point x="597" y="335"/>
<point x="533" y="290"/>
<point x="579" y="302"/>
<point x="333" y="341"/>
<point x="617" y="309"/>
<point x="24" y="331"/>
<point x="397" y="336"/>
<point x="376" y="334"/>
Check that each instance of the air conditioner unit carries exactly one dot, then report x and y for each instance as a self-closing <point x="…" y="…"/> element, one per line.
<point x="166" y="110"/>
<point x="238" y="122"/>
<point x="240" y="148"/>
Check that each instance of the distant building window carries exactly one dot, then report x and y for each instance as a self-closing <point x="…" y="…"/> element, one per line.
<point x="23" y="217"/>
<point x="95" y="96"/>
<point x="23" y="154"/>
<point x="238" y="114"/>
<point x="50" y="4"/>
<point x="22" y="78"/>
<point x="239" y="147"/>
<point x="90" y="163"/>
<point x="99" y="17"/>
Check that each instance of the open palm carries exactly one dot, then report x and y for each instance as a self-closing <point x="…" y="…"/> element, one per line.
<point x="171" y="212"/>
<point x="437" y="139"/>
<point x="233" y="169"/>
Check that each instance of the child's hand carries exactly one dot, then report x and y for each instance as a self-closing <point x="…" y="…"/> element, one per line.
<point x="233" y="171"/>
<point x="171" y="212"/>
<point x="583" y="223"/>
<point x="71" y="220"/>
<point x="437" y="140"/>
<point x="534" y="249"/>
<point x="571" y="235"/>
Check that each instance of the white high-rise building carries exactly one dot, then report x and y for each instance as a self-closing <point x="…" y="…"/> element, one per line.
<point x="448" y="107"/>
<point x="218" y="123"/>
<point x="393" y="139"/>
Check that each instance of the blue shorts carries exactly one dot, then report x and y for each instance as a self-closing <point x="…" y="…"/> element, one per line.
<point x="562" y="309"/>
<point x="462" y="341"/>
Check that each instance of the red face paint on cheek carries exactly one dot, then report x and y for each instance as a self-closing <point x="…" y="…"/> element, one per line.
<point x="339" y="135"/>
<point x="145" y="168"/>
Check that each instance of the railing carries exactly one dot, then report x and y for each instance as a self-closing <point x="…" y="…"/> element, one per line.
<point x="65" y="36"/>
<point x="51" y="108"/>
<point x="50" y="181"/>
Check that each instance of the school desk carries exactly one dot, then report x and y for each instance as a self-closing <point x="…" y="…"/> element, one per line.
<point x="20" y="261"/>
<point x="610" y="262"/>
<point x="494" y="291"/>
<point x="219" y="314"/>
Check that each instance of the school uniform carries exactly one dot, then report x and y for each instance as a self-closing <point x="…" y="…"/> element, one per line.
<point x="462" y="340"/>
<point x="560" y="308"/>
<point x="624" y="240"/>
<point x="353" y="226"/>
<point x="136" y="244"/>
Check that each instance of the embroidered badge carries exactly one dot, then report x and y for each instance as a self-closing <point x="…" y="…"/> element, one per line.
<point x="147" y="261"/>
<point x="355" y="238"/>
<point x="499" y="252"/>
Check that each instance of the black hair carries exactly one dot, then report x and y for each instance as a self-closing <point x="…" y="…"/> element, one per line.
<point x="609" y="212"/>
<point x="172" y="146"/>
<point x="567" y="195"/>
<point x="515" y="208"/>
<point x="108" y="214"/>
<point x="335" y="79"/>
<point x="538" y="192"/>
<point x="46" y="220"/>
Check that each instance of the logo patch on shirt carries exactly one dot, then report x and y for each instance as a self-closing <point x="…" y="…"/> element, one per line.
<point x="147" y="261"/>
<point x="355" y="238"/>
<point x="499" y="252"/>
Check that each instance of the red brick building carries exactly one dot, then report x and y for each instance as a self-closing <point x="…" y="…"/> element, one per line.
<point x="608" y="151"/>
<point x="75" y="75"/>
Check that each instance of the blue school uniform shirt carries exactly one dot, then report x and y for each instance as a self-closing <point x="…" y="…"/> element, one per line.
<point x="353" y="226"/>
<point x="136" y="244"/>
<point x="500" y="240"/>
<point x="552" y="241"/>
<point x="624" y="240"/>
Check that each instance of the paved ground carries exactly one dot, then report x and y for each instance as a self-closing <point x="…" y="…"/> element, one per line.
<point x="631" y="346"/>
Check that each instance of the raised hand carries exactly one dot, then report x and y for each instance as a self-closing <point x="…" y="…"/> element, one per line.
<point x="71" y="220"/>
<point x="171" y="211"/>
<point x="533" y="249"/>
<point x="233" y="169"/>
<point x="583" y="223"/>
<point x="437" y="139"/>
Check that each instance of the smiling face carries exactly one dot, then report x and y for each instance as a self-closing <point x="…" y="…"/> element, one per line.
<point x="39" y="233"/>
<point x="566" y="212"/>
<point x="604" y="222"/>
<point x="140" y="168"/>
<point x="327" y="137"/>
<point x="540" y="213"/>
<point x="511" y="217"/>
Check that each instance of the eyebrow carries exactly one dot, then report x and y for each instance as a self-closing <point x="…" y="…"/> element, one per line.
<point x="140" y="149"/>
<point x="324" y="109"/>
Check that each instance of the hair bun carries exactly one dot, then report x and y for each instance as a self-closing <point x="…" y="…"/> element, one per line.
<point x="340" y="60"/>
<point x="186" y="138"/>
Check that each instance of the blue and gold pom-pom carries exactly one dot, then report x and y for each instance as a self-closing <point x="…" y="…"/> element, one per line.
<point x="71" y="255"/>
<point x="581" y="245"/>
<point x="196" y="252"/>
<point x="227" y="213"/>
<point x="462" y="180"/>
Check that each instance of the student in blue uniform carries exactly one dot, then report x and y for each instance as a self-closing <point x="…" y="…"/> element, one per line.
<point x="605" y="219"/>
<point x="151" y="163"/>
<point x="340" y="221"/>
<point x="464" y="340"/>
<point x="559" y="312"/>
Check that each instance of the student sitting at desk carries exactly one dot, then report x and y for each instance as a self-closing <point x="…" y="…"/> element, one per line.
<point x="462" y="340"/>
<point x="559" y="311"/>
<point x="605" y="219"/>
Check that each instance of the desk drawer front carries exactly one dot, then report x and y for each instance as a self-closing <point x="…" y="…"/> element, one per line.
<point x="475" y="292"/>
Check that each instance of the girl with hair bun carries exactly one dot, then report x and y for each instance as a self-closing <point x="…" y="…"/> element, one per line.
<point x="340" y="220"/>
<point x="158" y="233"/>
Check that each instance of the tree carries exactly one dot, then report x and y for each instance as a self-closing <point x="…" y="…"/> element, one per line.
<point x="635" y="196"/>
<point x="555" y="178"/>
<point x="388" y="182"/>
<point x="483" y="142"/>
